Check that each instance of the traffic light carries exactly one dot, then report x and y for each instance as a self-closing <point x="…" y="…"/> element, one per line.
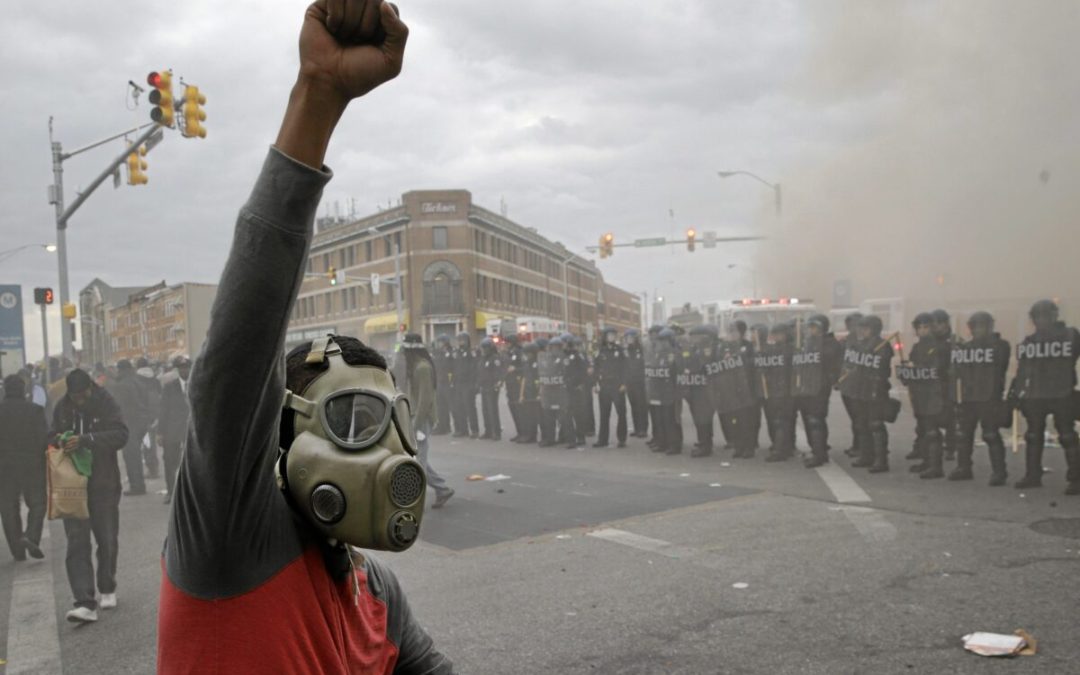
<point x="194" y="115"/>
<point x="136" y="167"/>
<point x="162" y="97"/>
<point x="607" y="245"/>
<point x="331" y="274"/>
<point x="691" y="237"/>
<point x="43" y="296"/>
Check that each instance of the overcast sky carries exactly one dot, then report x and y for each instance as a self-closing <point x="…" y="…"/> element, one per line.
<point x="584" y="117"/>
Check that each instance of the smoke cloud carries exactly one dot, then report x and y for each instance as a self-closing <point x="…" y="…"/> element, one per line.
<point x="957" y="186"/>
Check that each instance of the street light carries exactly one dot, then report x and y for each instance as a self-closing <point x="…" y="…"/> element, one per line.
<point x="775" y="186"/>
<point x="4" y="255"/>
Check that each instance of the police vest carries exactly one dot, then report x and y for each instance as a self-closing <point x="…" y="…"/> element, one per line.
<point x="978" y="370"/>
<point x="865" y="374"/>
<point x="1047" y="363"/>
<point x="730" y="376"/>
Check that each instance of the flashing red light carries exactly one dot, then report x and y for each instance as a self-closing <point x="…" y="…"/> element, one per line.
<point x="784" y="301"/>
<point x="154" y="79"/>
<point x="765" y="301"/>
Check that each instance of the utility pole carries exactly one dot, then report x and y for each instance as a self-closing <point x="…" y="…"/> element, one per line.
<point x="397" y="284"/>
<point x="45" y="338"/>
<point x="56" y="197"/>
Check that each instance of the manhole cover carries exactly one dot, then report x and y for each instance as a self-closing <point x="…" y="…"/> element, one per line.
<point x="1058" y="527"/>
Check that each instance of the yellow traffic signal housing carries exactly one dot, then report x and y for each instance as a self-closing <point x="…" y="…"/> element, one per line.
<point x="331" y="274"/>
<point x="607" y="245"/>
<point x="194" y="115"/>
<point x="691" y="237"/>
<point x="162" y="97"/>
<point x="136" y="166"/>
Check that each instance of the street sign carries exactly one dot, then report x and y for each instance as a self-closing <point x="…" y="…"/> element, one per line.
<point x="374" y="283"/>
<point x="709" y="240"/>
<point x="655" y="241"/>
<point x="154" y="139"/>
<point x="12" y="340"/>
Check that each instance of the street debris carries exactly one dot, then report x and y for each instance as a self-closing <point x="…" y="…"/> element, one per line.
<point x="740" y="585"/>
<point x="475" y="476"/>
<point x="998" y="644"/>
<point x="684" y="475"/>
<point x="562" y="536"/>
<point x="725" y="464"/>
<point x="497" y="477"/>
<point x="715" y="485"/>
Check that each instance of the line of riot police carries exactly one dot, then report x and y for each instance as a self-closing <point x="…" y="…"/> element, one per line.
<point x="782" y="374"/>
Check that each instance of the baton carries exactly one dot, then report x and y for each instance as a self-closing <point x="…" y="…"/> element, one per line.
<point x="764" y="382"/>
<point x="1016" y="431"/>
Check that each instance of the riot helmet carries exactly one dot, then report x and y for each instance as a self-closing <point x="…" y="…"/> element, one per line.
<point x="1044" y="313"/>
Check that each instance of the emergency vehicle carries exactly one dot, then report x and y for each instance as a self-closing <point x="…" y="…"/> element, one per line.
<point x="754" y="311"/>
<point x="527" y="328"/>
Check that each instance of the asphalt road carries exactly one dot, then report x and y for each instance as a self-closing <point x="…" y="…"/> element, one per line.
<point x="624" y="561"/>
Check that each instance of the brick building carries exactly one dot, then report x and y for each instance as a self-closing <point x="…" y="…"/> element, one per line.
<point x="95" y="301"/>
<point x="160" y="322"/>
<point x="460" y="266"/>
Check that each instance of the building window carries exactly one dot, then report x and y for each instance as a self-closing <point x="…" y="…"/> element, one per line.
<point x="387" y="252"/>
<point x="367" y="250"/>
<point x="438" y="239"/>
<point x="442" y="288"/>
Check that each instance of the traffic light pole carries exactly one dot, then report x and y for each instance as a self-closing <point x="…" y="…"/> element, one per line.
<point x="56" y="197"/>
<point x="45" y="338"/>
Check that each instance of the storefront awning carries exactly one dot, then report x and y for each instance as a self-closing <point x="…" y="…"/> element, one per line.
<point x="482" y="319"/>
<point x="381" y="323"/>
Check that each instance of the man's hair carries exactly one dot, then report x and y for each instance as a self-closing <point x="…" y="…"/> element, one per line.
<point x="14" y="387"/>
<point x="78" y="381"/>
<point x="299" y="373"/>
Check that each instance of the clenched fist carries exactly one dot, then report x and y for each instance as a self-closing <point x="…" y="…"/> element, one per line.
<point x="351" y="46"/>
<point x="347" y="48"/>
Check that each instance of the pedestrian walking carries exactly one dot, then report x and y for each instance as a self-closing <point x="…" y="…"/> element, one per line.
<point x="173" y="421"/>
<point x="94" y="421"/>
<point x="420" y="384"/>
<point x="23" y="438"/>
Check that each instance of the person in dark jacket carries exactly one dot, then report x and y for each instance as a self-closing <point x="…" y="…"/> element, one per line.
<point x="23" y="438"/>
<point x="578" y="391"/>
<point x="865" y="381"/>
<point x="528" y="393"/>
<point x="419" y="385"/>
<point x="772" y="362"/>
<point x="151" y="387"/>
<point x="127" y="393"/>
<point x="173" y="421"/>
<point x="635" y="383"/>
<point x="489" y="374"/>
<point x="94" y="419"/>
<point x="1045" y="385"/>
<point x="466" y="422"/>
<point x="815" y="369"/>
<point x="443" y="357"/>
<point x="514" y="359"/>
<point x="923" y="376"/>
<point x="977" y="383"/>
<point x="610" y="367"/>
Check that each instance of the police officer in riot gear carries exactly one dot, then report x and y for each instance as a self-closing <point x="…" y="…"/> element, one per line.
<point x="660" y="372"/>
<point x="553" y="408"/>
<point x="528" y="393"/>
<point x="513" y="358"/>
<point x="865" y="381"/>
<point x="942" y="330"/>
<point x="1045" y="385"/>
<point x="851" y="324"/>
<point x="773" y="364"/>
<point x="815" y="366"/>
<point x="443" y="356"/>
<point x="489" y="380"/>
<point x="578" y="391"/>
<point x="610" y="366"/>
<point x="977" y="382"/>
<point x="650" y="361"/>
<point x="466" y="422"/>
<point x="693" y="379"/>
<point x="731" y="378"/>
<point x="925" y="379"/>
<point x="634" y="380"/>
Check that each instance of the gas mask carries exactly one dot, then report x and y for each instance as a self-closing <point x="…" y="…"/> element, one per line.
<point x="351" y="468"/>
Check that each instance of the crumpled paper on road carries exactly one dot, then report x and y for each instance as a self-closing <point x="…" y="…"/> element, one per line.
<point x="998" y="644"/>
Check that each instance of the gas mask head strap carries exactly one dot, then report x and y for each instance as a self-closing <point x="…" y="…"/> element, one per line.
<point x="321" y="349"/>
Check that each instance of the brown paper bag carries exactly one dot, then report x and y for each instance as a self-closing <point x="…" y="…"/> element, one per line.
<point x="67" y="487"/>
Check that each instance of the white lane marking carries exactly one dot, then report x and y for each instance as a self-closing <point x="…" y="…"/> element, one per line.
<point x="843" y="486"/>
<point x="870" y="523"/>
<point x="33" y="644"/>
<point x="642" y="543"/>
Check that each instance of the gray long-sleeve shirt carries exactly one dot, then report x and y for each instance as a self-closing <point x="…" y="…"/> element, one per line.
<point x="246" y="588"/>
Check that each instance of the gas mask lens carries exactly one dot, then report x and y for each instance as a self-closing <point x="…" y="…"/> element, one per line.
<point x="357" y="419"/>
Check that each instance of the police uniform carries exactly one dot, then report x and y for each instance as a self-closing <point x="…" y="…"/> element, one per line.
<point x="551" y="373"/>
<point x="609" y="367"/>
<point x="579" y="396"/>
<point x="489" y="380"/>
<point x="443" y="356"/>
<point x="514" y="358"/>
<point x="1045" y="385"/>
<point x="731" y="381"/>
<point x="865" y="381"/>
<point x="815" y="365"/>
<point x="635" y="384"/>
<point x="773" y="365"/>
<point x="660" y="371"/>
<point x="527" y="395"/>
<point x="466" y="422"/>
<point x="977" y="383"/>
<point x="926" y="382"/>
<point x="693" y="380"/>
